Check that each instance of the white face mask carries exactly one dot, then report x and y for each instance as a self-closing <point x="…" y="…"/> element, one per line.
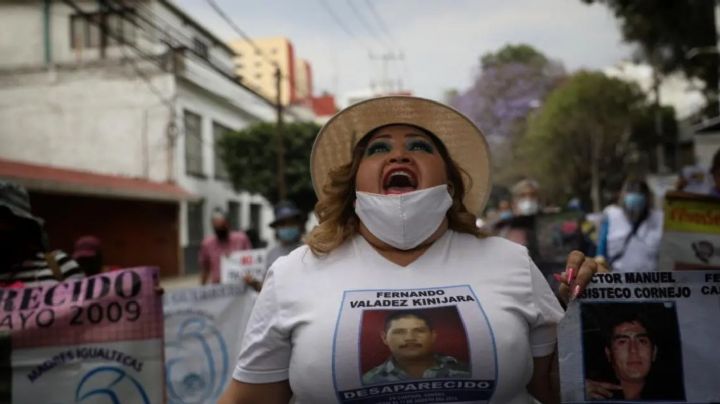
<point x="528" y="206"/>
<point x="404" y="220"/>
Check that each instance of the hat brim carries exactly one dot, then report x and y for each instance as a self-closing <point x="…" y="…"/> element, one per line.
<point x="464" y="141"/>
<point x="297" y="215"/>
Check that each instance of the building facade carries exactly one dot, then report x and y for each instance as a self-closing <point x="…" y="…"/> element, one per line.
<point x="256" y="63"/>
<point x="110" y="113"/>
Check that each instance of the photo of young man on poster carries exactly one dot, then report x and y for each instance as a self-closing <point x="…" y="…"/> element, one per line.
<point x="410" y="336"/>
<point x="640" y="352"/>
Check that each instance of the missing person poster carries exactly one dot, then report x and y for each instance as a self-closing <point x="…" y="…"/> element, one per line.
<point x="691" y="238"/>
<point x="203" y="327"/>
<point x="382" y="335"/>
<point x="235" y="266"/>
<point x="637" y="337"/>
<point x="91" y="340"/>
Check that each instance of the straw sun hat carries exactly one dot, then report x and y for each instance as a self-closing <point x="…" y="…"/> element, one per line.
<point x="464" y="141"/>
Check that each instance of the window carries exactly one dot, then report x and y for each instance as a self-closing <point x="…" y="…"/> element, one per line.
<point x="221" y="171"/>
<point x="200" y="47"/>
<point x="234" y="215"/>
<point x="193" y="143"/>
<point x="195" y="233"/>
<point x="195" y="223"/>
<point x="85" y="29"/>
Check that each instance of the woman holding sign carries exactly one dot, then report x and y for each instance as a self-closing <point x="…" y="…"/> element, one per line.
<point x="397" y="297"/>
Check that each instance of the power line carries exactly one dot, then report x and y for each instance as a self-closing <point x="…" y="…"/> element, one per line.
<point x="379" y="20"/>
<point x="365" y="23"/>
<point x="242" y="33"/>
<point x="337" y="19"/>
<point x="225" y="17"/>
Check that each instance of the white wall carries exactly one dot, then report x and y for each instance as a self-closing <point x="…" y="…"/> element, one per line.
<point x="216" y="193"/>
<point x="89" y="119"/>
<point x="22" y="36"/>
<point x="706" y="145"/>
<point x="21" y="33"/>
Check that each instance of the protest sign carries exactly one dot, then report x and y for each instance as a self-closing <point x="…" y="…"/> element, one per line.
<point x="643" y="337"/>
<point x="91" y="340"/>
<point x="235" y="266"/>
<point x="691" y="237"/>
<point x="203" y="327"/>
<point x="454" y="313"/>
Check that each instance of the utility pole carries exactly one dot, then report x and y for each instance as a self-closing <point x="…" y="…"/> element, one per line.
<point x="279" y="146"/>
<point x="660" y="149"/>
<point x="386" y="84"/>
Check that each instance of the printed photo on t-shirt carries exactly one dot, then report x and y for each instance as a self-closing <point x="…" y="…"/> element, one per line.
<point x="631" y="352"/>
<point x="398" y="345"/>
<point x="412" y="346"/>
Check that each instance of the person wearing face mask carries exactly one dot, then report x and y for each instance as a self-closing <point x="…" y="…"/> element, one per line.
<point x="397" y="179"/>
<point x="631" y="230"/>
<point x="289" y="225"/>
<point x="221" y="243"/>
<point x="519" y="224"/>
<point x="526" y="198"/>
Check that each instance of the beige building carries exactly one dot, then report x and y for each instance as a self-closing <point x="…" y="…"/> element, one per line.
<point x="256" y="66"/>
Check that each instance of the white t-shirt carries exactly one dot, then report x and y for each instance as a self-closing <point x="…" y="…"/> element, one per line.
<point x="318" y="322"/>
<point x="641" y="252"/>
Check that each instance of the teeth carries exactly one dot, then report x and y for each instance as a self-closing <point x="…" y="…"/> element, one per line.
<point x="403" y="173"/>
<point x="400" y="173"/>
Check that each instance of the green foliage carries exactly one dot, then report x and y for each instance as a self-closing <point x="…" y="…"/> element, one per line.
<point x="583" y="129"/>
<point x="250" y="157"/>
<point x="521" y="54"/>
<point x="668" y="32"/>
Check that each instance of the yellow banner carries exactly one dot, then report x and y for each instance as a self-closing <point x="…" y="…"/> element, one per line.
<point x="692" y="215"/>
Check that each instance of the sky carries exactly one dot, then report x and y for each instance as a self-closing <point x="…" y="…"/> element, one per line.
<point x="440" y="41"/>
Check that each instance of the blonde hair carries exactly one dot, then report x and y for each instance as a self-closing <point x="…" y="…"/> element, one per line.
<point x="335" y="210"/>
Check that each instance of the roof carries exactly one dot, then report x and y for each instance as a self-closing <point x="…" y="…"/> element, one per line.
<point x="324" y="105"/>
<point x="190" y="20"/>
<point x="709" y="126"/>
<point x="61" y="180"/>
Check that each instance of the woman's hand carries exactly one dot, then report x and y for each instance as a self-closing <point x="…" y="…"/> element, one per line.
<point x="578" y="274"/>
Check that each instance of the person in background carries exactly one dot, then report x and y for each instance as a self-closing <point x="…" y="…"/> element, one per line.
<point x="631" y="230"/>
<point x="88" y="254"/>
<point x="24" y="260"/>
<point x="289" y="225"/>
<point x="221" y="243"/>
<point x="526" y="198"/>
<point x="519" y="226"/>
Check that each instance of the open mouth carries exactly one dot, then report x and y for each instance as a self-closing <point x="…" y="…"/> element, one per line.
<point x="399" y="181"/>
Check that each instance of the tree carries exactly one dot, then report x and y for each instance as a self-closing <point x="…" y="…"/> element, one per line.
<point x="249" y="156"/>
<point x="673" y="35"/>
<point x="584" y="130"/>
<point x="510" y="84"/>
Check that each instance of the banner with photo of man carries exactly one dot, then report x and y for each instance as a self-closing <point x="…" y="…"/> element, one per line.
<point x="691" y="237"/>
<point x="91" y="340"/>
<point x="203" y="327"/>
<point x="642" y="337"/>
